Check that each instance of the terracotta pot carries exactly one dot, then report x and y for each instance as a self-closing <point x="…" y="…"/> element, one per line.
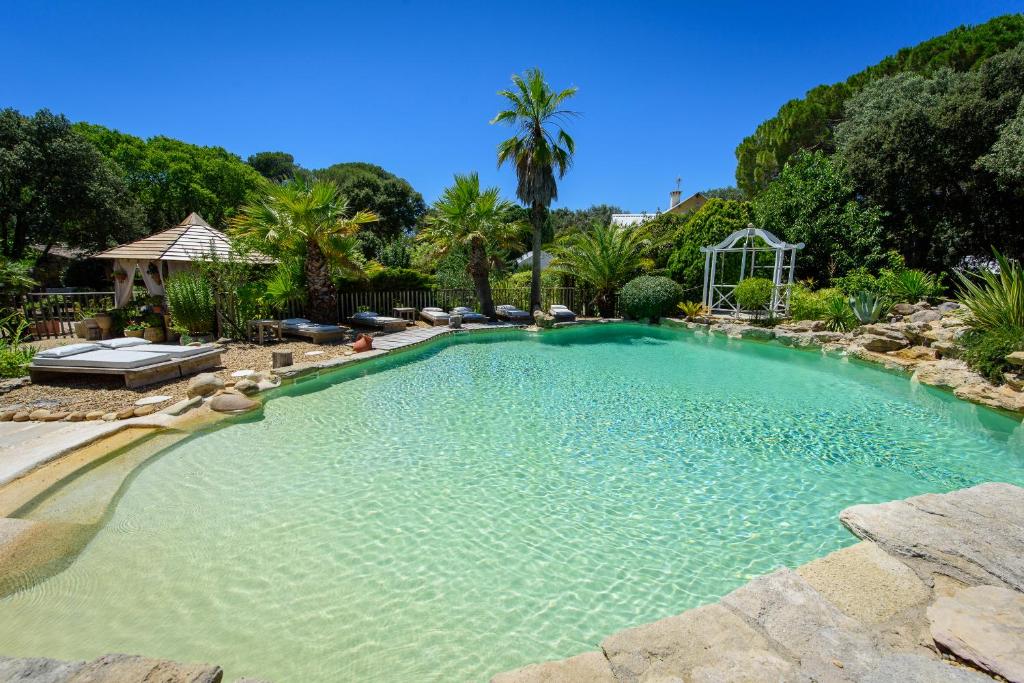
<point x="45" y="327"/>
<point x="364" y="342"/>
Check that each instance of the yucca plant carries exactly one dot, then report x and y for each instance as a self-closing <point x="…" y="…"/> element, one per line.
<point x="692" y="309"/>
<point x="995" y="300"/>
<point x="914" y="285"/>
<point x="867" y="307"/>
<point x="837" y="314"/>
<point x="14" y="355"/>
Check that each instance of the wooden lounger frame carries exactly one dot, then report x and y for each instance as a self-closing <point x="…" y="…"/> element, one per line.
<point x="514" y="318"/>
<point x="390" y="326"/>
<point x="133" y="377"/>
<point x="314" y="336"/>
<point x="438" y="322"/>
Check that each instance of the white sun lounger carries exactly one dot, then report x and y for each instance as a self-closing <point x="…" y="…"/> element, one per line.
<point x="115" y="359"/>
<point x="136" y="367"/>
<point x="384" y="322"/>
<point x="509" y="312"/>
<point x="561" y="313"/>
<point x="435" y="316"/>
<point x="469" y="315"/>
<point x="318" y="333"/>
<point x="173" y="350"/>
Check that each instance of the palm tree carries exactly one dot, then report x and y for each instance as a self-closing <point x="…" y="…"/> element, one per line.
<point x="604" y="258"/>
<point x="480" y="221"/>
<point x="312" y="221"/>
<point x="539" y="149"/>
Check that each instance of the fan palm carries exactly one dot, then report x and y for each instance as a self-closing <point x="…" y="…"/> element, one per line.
<point x="479" y="221"/>
<point x="604" y="258"/>
<point x="311" y="220"/>
<point x="539" y="150"/>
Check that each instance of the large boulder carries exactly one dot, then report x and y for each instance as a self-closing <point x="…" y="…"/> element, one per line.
<point x="982" y="625"/>
<point x="903" y="309"/>
<point x="204" y="384"/>
<point x="589" y="666"/>
<point x="542" y="319"/>
<point x="878" y="344"/>
<point x="247" y="387"/>
<point x="1016" y="358"/>
<point x="926" y="316"/>
<point x="232" y="403"/>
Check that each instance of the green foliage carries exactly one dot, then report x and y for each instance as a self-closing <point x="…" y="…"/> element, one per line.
<point x="710" y="224"/>
<point x="276" y="167"/>
<point x="814" y="202"/>
<point x="603" y="259"/>
<point x="917" y="146"/>
<point x="857" y="280"/>
<point x="56" y="187"/>
<point x="1006" y="160"/>
<point x="985" y="350"/>
<point x="805" y="304"/>
<point x="692" y="309"/>
<point x="909" y="285"/>
<point x="754" y="293"/>
<point x="366" y="187"/>
<point x="285" y="288"/>
<point x="190" y="299"/>
<point x="730" y="192"/>
<point x="15" y="277"/>
<point x="170" y="179"/>
<point x="995" y="300"/>
<point x="387" y="279"/>
<point x="649" y="297"/>
<point x="808" y="123"/>
<point x="564" y="221"/>
<point x="837" y="314"/>
<point x="14" y="354"/>
<point x="867" y="307"/>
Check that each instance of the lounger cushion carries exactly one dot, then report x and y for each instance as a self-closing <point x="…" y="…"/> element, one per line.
<point x="292" y="322"/>
<point x="320" y="327"/>
<point x="123" y="342"/>
<point x="175" y="351"/>
<point x="69" y="350"/>
<point x="434" y="309"/>
<point x="115" y="359"/>
<point x="366" y="314"/>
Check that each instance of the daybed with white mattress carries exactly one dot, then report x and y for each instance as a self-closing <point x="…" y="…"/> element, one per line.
<point x="469" y="315"/>
<point x="513" y="314"/>
<point x="435" y="316"/>
<point x="383" y="322"/>
<point x="135" y="360"/>
<point x="318" y="333"/>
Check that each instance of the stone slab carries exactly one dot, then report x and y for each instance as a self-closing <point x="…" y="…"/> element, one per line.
<point x="866" y="583"/>
<point x="589" y="666"/>
<point x="908" y="668"/>
<point x="707" y="637"/>
<point x="982" y="625"/>
<point x="152" y="400"/>
<point x="974" y="535"/>
<point x="829" y="645"/>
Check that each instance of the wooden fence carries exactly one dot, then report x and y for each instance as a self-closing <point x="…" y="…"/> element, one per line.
<point x="383" y="302"/>
<point x="53" y="315"/>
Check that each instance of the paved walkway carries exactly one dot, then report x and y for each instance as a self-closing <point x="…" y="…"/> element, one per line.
<point x="415" y="335"/>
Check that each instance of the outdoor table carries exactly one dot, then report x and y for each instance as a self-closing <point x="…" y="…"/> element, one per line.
<point x="404" y="312"/>
<point x="258" y="328"/>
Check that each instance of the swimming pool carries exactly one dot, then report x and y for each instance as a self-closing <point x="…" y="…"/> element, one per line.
<point x="493" y="500"/>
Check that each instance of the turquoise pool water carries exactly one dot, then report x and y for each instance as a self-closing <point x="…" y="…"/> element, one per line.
<point x="481" y="504"/>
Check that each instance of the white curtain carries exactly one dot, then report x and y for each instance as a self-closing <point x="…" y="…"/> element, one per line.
<point x="123" y="288"/>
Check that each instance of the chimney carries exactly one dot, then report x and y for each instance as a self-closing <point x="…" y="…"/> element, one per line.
<point x="674" y="195"/>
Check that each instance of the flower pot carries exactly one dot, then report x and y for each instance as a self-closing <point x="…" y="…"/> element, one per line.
<point x="104" y="322"/>
<point x="134" y="333"/>
<point x="153" y="334"/>
<point x="363" y="343"/>
<point x="47" y="327"/>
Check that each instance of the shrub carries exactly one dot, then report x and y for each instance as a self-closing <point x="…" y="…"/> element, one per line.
<point x="995" y="300"/>
<point x="985" y="351"/>
<point x="838" y="315"/>
<point x="692" y="309"/>
<point x="855" y="281"/>
<point x="386" y="279"/>
<point x="754" y="293"/>
<point x="190" y="298"/>
<point x="805" y="304"/>
<point x="649" y="296"/>
<point x="14" y="356"/>
<point x="909" y="285"/>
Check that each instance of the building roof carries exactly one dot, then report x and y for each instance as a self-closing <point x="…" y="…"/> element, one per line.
<point x="527" y="258"/>
<point x="191" y="240"/>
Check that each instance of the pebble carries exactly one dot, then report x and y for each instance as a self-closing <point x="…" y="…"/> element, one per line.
<point x="243" y="373"/>
<point x="152" y="400"/>
<point x="76" y="416"/>
<point x="313" y="353"/>
<point x="124" y="413"/>
<point x="109" y="417"/>
<point x="94" y="415"/>
<point x="39" y="414"/>
<point x="142" y="411"/>
<point x="55" y="417"/>
<point x="21" y="416"/>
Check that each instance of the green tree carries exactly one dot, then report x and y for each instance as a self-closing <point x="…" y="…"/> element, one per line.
<point x="56" y="187"/>
<point x="710" y="224"/>
<point x="809" y="123"/>
<point x="370" y="188"/>
<point x="170" y="179"/>
<point x="477" y="221"/>
<point x="539" y="150"/>
<point x="276" y="167"/>
<point x="917" y="146"/>
<point x="311" y="220"/>
<point x="604" y="257"/>
<point x="564" y="220"/>
<point x="1006" y="160"/>
<point x="814" y="202"/>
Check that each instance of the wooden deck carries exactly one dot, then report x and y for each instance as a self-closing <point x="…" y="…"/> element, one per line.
<point x="417" y="335"/>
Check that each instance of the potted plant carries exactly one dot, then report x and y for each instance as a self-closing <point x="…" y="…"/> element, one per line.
<point x="120" y="274"/>
<point x="104" y="321"/>
<point x="154" y="328"/>
<point x="134" y="329"/>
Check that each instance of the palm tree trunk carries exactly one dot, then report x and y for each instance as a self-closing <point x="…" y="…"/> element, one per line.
<point x="323" y="296"/>
<point x="606" y="304"/>
<point x="480" y="271"/>
<point x="537" y="219"/>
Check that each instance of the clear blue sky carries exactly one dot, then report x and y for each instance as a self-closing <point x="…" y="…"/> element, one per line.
<point x="666" y="89"/>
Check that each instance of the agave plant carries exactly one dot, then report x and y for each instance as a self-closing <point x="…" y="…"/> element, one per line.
<point x="867" y="307"/>
<point x="995" y="299"/>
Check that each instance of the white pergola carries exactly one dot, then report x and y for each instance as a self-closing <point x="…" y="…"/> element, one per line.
<point x="746" y="245"/>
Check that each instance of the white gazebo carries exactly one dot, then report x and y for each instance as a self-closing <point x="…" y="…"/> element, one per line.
<point x="747" y="253"/>
<point x="168" y="252"/>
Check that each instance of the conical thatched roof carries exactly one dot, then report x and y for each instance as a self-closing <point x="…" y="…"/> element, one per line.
<point x="191" y="240"/>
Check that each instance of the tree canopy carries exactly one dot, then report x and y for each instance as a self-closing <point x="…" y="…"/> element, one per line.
<point x="809" y="123"/>
<point x="56" y="187"/>
<point x="710" y="224"/>
<point x="276" y="167"/>
<point x="366" y="187"/>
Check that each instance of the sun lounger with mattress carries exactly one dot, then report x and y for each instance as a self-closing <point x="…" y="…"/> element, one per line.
<point x="561" y="313"/>
<point x="435" y="316"/>
<point x="513" y="314"/>
<point x="469" y="315"/>
<point x="318" y="333"/>
<point x="383" y="322"/>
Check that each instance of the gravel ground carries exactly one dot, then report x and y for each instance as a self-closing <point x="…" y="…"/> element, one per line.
<point x="107" y="394"/>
